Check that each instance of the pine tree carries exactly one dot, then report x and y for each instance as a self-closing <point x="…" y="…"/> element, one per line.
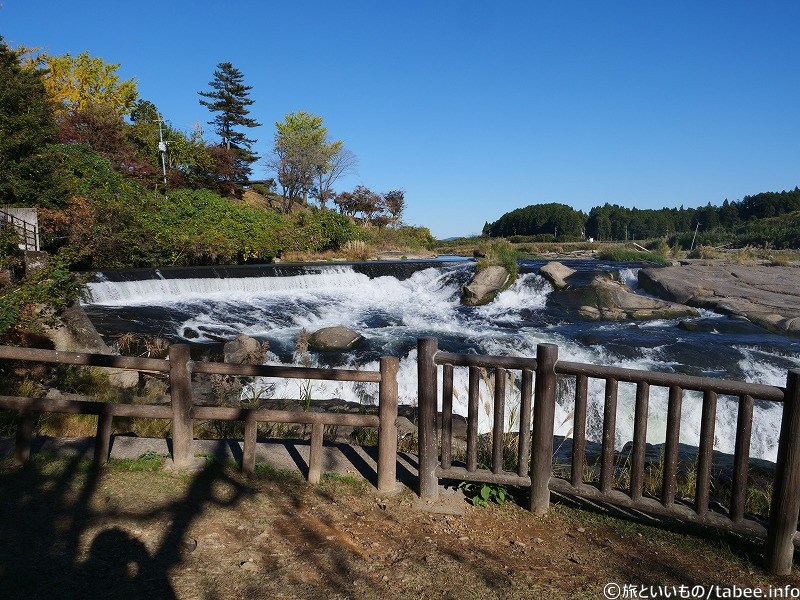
<point x="229" y="97"/>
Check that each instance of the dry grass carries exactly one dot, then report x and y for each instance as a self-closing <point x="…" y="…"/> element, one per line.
<point x="357" y="250"/>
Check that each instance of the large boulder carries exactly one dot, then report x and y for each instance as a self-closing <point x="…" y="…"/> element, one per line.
<point x="765" y="295"/>
<point x="485" y="285"/>
<point x="604" y="299"/>
<point x="337" y="338"/>
<point x="243" y="350"/>
<point x="75" y="333"/>
<point x="556" y="273"/>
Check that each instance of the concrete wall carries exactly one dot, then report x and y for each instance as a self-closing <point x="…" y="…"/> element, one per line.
<point x="28" y="215"/>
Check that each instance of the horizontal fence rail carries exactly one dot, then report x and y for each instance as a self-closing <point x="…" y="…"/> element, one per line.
<point x="687" y="382"/>
<point x="286" y="372"/>
<point x="182" y="411"/>
<point x="535" y="441"/>
<point x="133" y="363"/>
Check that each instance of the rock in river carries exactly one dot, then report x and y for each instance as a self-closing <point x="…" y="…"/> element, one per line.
<point x="607" y="300"/>
<point x="556" y="273"/>
<point x="334" y="338"/>
<point x="485" y="285"/>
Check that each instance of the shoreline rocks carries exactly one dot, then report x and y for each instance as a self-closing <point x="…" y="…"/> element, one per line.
<point x="768" y="296"/>
<point x="75" y="333"/>
<point x="605" y="299"/>
<point x="243" y="350"/>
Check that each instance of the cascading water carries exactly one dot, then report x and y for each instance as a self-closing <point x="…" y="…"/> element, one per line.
<point x="392" y="313"/>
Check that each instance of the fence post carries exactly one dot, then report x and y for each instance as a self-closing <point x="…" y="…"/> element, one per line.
<point x="315" y="453"/>
<point x="102" y="440"/>
<point x="180" y="390"/>
<point x="387" y="429"/>
<point x="249" y="445"/>
<point x="22" y="443"/>
<point x="785" y="507"/>
<point x="544" y="407"/>
<point x="426" y="411"/>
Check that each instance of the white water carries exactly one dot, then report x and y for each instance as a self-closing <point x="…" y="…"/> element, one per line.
<point x="392" y="314"/>
<point x="159" y="291"/>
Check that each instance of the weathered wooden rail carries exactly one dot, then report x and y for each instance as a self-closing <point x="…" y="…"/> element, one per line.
<point x="539" y="378"/>
<point x="183" y="412"/>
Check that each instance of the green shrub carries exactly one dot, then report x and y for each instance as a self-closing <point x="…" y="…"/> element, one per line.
<point x="498" y="252"/>
<point x="53" y="287"/>
<point x="319" y="230"/>
<point x="405" y="237"/>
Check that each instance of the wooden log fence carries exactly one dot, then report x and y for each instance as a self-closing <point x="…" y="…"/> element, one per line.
<point x="182" y="411"/>
<point x="535" y="461"/>
<point x="534" y="469"/>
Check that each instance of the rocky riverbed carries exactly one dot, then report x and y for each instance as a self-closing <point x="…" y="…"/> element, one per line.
<point x="768" y="296"/>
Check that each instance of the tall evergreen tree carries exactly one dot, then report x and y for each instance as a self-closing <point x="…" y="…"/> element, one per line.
<point x="229" y="97"/>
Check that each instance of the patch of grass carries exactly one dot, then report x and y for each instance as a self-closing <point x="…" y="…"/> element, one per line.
<point x="744" y="255"/>
<point x="356" y="250"/>
<point x="757" y="500"/>
<point x="686" y="537"/>
<point x="619" y="254"/>
<point x="498" y="252"/>
<point x="149" y="461"/>
<point x="366" y="436"/>
<point x="287" y="476"/>
<point x="86" y="381"/>
<point x="779" y="260"/>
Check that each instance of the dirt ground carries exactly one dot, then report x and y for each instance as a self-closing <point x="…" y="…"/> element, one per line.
<point x="133" y="529"/>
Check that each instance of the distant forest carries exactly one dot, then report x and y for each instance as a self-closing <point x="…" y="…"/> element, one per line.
<point x="766" y="218"/>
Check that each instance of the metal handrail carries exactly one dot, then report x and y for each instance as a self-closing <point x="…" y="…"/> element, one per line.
<point x="28" y="232"/>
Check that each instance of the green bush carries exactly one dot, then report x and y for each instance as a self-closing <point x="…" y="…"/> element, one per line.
<point x="317" y="230"/>
<point x="119" y="223"/>
<point x="405" y="237"/>
<point x="499" y="252"/>
<point x="54" y="287"/>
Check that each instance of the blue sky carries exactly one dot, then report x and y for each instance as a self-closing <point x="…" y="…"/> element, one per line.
<point x="477" y="108"/>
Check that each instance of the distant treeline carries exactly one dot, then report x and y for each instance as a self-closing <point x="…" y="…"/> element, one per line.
<point x="763" y="218"/>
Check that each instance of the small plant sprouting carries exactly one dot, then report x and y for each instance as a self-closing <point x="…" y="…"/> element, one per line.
<point x="482" y="494"/>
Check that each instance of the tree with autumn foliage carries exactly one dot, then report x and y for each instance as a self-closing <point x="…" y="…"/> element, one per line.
<point x="77" y="83"/>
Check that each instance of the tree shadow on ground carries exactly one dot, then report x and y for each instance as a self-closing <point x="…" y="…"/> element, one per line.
<point x="49" y="511"/>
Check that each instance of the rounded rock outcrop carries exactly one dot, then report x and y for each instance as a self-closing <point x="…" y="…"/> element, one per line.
<point x="338" y="338"/>
<point x="485" y="285"/>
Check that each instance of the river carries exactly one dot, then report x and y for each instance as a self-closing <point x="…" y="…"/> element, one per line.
<point x="393" y="303"/>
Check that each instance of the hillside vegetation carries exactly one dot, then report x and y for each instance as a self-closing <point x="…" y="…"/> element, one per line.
<point x="770" y="219"/>
<point x="78" y="143"/>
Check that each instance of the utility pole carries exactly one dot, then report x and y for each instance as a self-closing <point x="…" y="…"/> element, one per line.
<point x="162" y="150"/>
<point x="695" y="235"/>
